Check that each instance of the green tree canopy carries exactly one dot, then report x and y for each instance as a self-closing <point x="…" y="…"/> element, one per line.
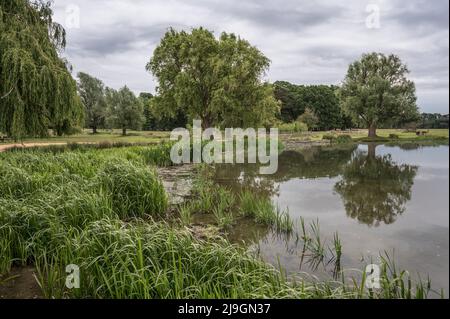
<point x="291" y="106"/>
<point x="215" y="80"/>
<point x="376" y="90"/>
<point x="321" y="99"/>
<point x="92" y="94"/>
<point x="125" y="110"/>
<point x="37" y="91"/>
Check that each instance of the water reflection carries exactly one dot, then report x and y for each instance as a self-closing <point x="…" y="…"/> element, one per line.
<point x="348" y="188"/>
<point x="310" y="163"/>
<point x="375" y="189"/>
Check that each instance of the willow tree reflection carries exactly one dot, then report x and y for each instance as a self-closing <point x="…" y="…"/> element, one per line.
<point x="374" y="188"/>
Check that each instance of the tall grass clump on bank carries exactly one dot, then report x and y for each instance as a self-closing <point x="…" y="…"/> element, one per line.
<point x="263" y="211"/>
<point x="43" y="194"/>
<point x="153" y="260"/>
<point x="134" y="190"/>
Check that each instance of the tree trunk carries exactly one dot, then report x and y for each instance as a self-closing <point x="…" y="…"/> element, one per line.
<point x="94" y="130"/>
<point x="206" y="123"/>
<point x="124" y="131"/>
<point x="372" y="131"/>
<point x="371" y="152"/>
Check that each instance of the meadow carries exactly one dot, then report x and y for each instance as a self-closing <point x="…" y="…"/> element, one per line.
<point x="289" y="133"/>
<point x="105" y="210"/>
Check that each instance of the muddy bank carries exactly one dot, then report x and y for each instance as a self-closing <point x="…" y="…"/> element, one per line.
<point x="20" y="283"/>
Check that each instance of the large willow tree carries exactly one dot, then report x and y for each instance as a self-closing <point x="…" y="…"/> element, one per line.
<point x="216" y="80"/>
<point x="37" y="91"/>
<point x="376" y="90"/>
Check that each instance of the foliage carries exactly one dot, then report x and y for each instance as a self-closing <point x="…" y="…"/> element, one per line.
<point x="343" y="139"/>
<point x="320" y="99"/>
<point x="157" y="120"/>
<point x="309" y="118"/>
<point x="125" y="110"/>
<point x="92" y="94"/>
<point x="433" y="121"/>
<point x="329" y="137"/>
<point x="37" y="91"/>
<point x="295" y="127"/>
<point x="215" y="80"/>
<point x="376" y="90"/>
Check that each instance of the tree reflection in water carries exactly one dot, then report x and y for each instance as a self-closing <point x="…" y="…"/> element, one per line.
<point x="374" y="188"/>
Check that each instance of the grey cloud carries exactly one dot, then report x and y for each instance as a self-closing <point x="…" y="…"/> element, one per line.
<point x="307" y="41"/>
<point x="420" y="15"/>
<point x="115" y="40"/>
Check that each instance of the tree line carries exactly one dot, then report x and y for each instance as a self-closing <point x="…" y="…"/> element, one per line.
<point x="219" y="80"/>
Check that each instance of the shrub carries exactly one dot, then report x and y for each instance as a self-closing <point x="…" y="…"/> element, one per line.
<point x="394" y="136"/>
<point x="294" y="127"/>
<point x="300" y="127"/>
<point x="344" y="139"/>
<point x="329" y="137"/>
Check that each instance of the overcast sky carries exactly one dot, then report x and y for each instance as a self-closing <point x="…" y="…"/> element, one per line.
<point x="308" y="42"/>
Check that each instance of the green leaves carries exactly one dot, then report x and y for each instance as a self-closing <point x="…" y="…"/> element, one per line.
<point x="36" y="89"/>
<point x="215" y="80"/>
<point x="92" y="94"/>
<point x="300" y="100"/>
<point x="125" y="109"/>
<point x="376" y="90"/>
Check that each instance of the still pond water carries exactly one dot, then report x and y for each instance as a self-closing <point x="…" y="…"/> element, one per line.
<point x="377" y="197"/>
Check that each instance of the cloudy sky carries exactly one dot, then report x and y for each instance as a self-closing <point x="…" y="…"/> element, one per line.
<point x="308" y="42"/>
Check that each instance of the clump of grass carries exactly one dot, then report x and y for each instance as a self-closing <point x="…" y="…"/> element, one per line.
<point x="337" y="246"/>
<point x="42" y="194"/>
<point x="316" y="246"/>
<point x="185" y="211"/>
<point x="223" y="217"/>
<point x="225" y="201"/>
<point x="337" y="254"/>
<point x="264" y="211"/>
<point x="135" y="190"/>
<point x="283" y="222"/>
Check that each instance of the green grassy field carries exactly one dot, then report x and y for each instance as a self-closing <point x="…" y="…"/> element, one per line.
<point x="112" y="136"/>
<point x="383" y="135"/>
<point x="115" y="136"/>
